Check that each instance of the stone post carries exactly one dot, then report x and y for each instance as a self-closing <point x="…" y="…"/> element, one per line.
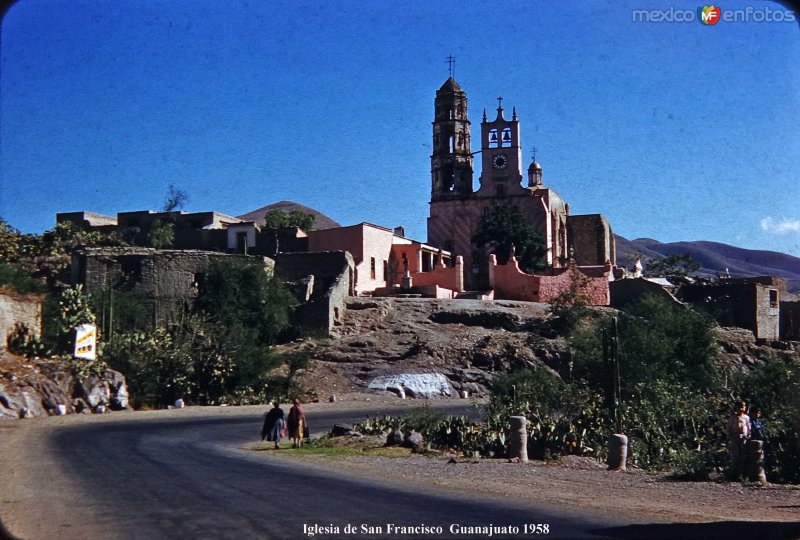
<point x="617" y="452"/>
<point x="518" y="440"/>
<point x="754" y="461"/>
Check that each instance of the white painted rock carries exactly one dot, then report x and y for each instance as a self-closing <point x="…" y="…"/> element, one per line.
<point x="423" y="385"/>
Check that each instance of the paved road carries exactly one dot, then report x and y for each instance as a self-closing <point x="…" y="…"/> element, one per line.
<point x="193" y="478"/>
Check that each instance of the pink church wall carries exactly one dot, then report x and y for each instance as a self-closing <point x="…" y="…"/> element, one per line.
<point x="511" y="283"/>
<point x="446" y="277"/>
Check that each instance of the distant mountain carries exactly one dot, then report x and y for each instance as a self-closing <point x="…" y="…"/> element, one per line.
<point x="322" y="221"/>
<point x="715" y="258"/>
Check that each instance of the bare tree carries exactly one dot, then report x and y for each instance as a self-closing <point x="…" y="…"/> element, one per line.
<point x="175" y="199"/>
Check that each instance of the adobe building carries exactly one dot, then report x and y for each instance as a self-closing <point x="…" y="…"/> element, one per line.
<point x="167" y="281"/>
<point x="456" y="207"/>
<point x="382" y="258"/>
<point x="164" y="280"/>
<point x="752" y="303"/>
<point x="207" y="231"/>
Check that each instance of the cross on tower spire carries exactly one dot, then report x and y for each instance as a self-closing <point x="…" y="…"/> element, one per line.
<point x="451" y="64"/>
<point x="533" y="154"/>
<point x="500" y="102"/>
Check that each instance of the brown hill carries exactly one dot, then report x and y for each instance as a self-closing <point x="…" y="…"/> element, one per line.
<point x="716" y="258"/>
<point x="322" y="221"/>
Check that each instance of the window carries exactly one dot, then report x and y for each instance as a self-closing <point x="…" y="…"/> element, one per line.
<point x="199" y="282"/>
<point x="372" y="267"/>
<point x="452" y="144"/>
<point x="427" y="262"/>
<point x="773" y="298"/>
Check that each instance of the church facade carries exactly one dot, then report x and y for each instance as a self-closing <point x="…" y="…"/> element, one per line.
<point x="456" y="208"/>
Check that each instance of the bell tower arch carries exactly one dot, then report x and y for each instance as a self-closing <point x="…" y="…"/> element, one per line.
<point x="451" y="160"/>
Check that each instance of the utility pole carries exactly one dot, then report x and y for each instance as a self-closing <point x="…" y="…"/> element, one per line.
<point x="617" y="443"/>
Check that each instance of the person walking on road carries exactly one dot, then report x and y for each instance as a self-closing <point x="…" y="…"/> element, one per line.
<point x="273" y="425"/>
<point x="296" y="422"/>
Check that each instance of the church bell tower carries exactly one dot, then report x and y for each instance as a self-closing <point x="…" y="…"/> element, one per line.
<point x="451" y="161"/>
<point x="501" y="154"/>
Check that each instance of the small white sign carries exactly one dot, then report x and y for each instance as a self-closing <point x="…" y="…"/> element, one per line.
<point x="86" y="341"/>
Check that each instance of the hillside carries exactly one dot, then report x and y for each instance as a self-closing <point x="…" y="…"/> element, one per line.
<point x="716" y="258"/>
<point x="322" y="221"/>
<point x="467" y="341"/>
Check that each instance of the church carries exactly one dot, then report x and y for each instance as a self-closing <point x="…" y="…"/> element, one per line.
<point x="456" y="208"/>
<point x="331" y="262"/>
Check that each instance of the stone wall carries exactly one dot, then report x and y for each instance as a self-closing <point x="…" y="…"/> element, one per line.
<point x="511" y="283"/>
<point x="165" y="281"/>
<point x="333" y="273"/>
<point x="16" y="309"/>
<point x="591" y="240"/>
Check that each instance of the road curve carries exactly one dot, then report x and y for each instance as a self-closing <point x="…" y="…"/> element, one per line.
<point x="192" y="477"/>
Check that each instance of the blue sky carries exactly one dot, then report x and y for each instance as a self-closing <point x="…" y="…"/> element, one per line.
<point x="674" y="131"/>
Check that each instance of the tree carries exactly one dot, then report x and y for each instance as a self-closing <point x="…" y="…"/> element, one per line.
<point x="504" y="227"/>
<point x="175" y="199"/>
<point x="278" y="219"/>
<point x="239" y="294"/>
<point x="672" y="266"/>
<point x="658" y="339"/>
<point x="161" y="235"/>
<point x="9" y="242"/>
<point x="218" y="353"/>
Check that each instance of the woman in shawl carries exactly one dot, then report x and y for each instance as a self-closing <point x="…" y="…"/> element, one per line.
<point x="273" y="425"/>
<point x="297" y="424"/>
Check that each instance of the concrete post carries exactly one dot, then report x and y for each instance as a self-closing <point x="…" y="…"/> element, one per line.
<point x="518" y="440"/>
<point x="617" y="452"/>
<point x="754" y="461"/>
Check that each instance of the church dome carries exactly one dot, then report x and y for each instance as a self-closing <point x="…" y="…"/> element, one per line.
<point x="535" y="166"/>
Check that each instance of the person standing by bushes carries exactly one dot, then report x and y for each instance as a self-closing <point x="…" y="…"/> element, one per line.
<point x="296" y="422"/>
<point x="273" y="425"/>
<point x="757" y="426"/>
<point x="738" y="433"/>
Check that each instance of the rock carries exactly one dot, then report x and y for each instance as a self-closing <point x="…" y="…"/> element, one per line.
<point x="425" y="385"/>
<point x="394" y="438"/>
<point x="108" y="389"/>
<point x="414" y="440"/>
<point x="341" y="430"/>
<point x="80" y="406"/>
<point x="95" y="391"/>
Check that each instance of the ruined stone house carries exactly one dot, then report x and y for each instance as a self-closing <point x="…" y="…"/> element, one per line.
<point x="752" y="303"/>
